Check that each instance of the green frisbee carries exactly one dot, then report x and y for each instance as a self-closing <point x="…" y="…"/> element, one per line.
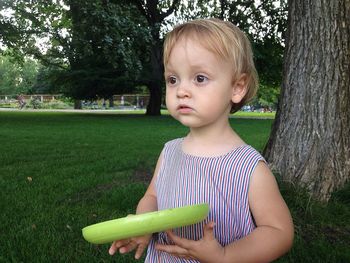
<point x="142" y="224"/>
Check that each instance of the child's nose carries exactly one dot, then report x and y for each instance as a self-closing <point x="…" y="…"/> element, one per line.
<point x="183" y="90"/>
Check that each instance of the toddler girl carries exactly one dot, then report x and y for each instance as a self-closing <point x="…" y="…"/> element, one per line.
<point x="209" y="73"/>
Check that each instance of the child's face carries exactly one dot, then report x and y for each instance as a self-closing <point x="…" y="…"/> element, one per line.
<point x="199" y="85"/>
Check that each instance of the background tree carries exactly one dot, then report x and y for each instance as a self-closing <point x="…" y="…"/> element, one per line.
<point x="310" y="140"/>
<point x="43" y="83"/>
<point x="92" y="47"/>
<point x="17" y="77"/>
<point x="104" y="50"/>
<point x="9" y="77"/>
<point x="155" y="12"/>
<point x="24" y="23"/>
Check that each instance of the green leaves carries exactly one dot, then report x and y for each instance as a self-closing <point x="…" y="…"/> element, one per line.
<point x="17" y="77"/>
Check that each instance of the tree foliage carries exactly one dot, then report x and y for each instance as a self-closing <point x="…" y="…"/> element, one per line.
<point x="93" y="47"/>
<point x="17" y="77"/>
<point x="105" y="49"/>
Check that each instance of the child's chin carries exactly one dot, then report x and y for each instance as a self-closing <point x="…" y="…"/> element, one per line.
<point x="189" y="123"/>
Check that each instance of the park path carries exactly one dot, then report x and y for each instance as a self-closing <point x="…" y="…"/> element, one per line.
<point x="73" y="110"/>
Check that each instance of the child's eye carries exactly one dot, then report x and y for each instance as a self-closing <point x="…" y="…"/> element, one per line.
<point x="171" y="80"/>
<point x="201" y="78"/>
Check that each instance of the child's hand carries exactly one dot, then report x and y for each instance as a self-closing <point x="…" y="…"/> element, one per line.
<point x="127" y="245"/>
<point x="206" y="249"/>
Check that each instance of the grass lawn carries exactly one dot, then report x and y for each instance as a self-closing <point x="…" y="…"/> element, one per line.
<point x="60" y="172"/>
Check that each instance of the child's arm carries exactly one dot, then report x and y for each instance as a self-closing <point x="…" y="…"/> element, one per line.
<point x="272" y="237"/>
<point x="147" y="203"/>
<point x="274" y="234"/>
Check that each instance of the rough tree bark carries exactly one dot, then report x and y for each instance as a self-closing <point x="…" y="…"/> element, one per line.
<point x="310" y="139"/>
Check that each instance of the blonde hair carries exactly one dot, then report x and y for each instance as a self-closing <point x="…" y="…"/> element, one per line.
<point x="223" y="39"/>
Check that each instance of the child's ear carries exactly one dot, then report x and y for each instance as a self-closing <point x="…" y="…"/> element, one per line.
<point x="239" y="88"/>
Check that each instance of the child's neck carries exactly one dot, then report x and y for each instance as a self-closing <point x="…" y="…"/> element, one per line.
<point x="211" y="142"/>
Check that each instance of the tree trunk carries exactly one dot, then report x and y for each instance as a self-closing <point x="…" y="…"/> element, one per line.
<point x="111" y="102"/>
<point x="78" y="104"/>
<point x="153" y="107"/>
<point x="310" y="140"/>
<point x="155" y="84"/>
<point x="155" y="17"/>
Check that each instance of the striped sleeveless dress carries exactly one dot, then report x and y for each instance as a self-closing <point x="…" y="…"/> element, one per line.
<point x="221" y="181"/>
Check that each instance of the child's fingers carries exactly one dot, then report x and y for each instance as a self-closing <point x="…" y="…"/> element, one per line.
<point x="173" y="249"/>
<point x="112" y="249"/>
<point x="116" y="245"/>
<point x="139" y="250"/>
<point x="128" y="247"/>
<point x="182" y="242"/>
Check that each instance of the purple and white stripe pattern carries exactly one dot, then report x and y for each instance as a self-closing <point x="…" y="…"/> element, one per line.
<point x="221" y="181"/>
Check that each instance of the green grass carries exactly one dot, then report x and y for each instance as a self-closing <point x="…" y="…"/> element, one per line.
<point x="258" y="115"/>
<point x="60" y="172"/>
